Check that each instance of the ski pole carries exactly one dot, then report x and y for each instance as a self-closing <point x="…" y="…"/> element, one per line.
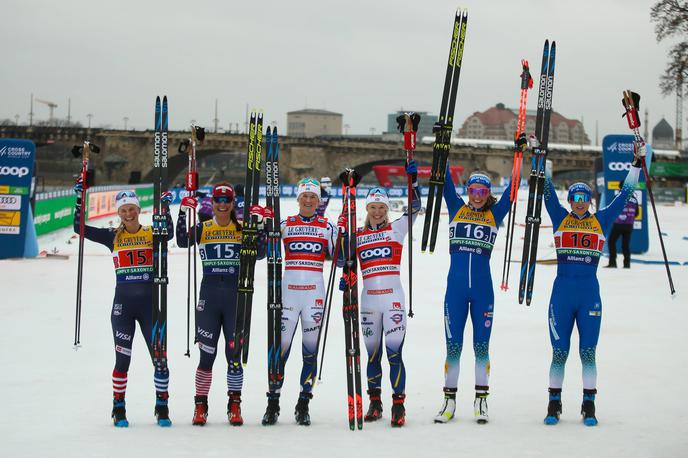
<point x="329" y="293"/>
<point x="85" y="153"/>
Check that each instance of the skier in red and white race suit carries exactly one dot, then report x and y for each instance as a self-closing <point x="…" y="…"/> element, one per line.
<point x="379" y="245"/>
<point x="307" y="239"/>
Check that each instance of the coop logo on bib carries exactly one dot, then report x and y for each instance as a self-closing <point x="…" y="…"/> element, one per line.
<point x="306" y="247"/>
<point x="376" y="253"/>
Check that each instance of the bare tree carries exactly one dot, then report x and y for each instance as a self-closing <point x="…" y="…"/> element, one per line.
<point x="671" y="21"/>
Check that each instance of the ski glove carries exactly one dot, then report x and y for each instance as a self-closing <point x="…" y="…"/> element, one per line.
<point x="79" y="185"/>
<point x="342" y="223"/>
<point x="412" y="169"/>
<point x="342" y="284"/>
<point x="166" y="198"/>
<point x="639" y="153"/>
<point x="521" y="142"/>
<point x="188" y="203"/>
<point x="259" y="213"/>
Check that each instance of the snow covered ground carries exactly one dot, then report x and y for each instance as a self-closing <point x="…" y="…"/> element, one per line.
<point x="57" y="401"/>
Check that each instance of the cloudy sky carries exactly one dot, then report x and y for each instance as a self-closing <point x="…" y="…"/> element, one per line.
<point x="362" y="58"/>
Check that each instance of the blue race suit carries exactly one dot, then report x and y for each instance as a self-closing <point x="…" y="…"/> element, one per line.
<point x="219" y="248"/>
<point x="472" y="234"/>
<point x="133" y="258"/>
<point x="576" y="293"/>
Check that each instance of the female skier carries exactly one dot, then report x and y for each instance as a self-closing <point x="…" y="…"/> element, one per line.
<point x="379" y="245"/>
<point x="472" y="233"/>
<point x="131" y="245"/>
<point x="579" y="238"/>
<point x="219" y="241"/>
<point x="307" y="238"/>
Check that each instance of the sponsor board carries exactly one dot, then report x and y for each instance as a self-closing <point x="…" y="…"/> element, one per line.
<point x="16" y="171"/>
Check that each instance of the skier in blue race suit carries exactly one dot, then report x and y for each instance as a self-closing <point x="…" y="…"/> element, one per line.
<point x="579" y="237"/>
<point x="472" y="233"/>
<point x="131" y="245"/>
<point x="219" y="241"/>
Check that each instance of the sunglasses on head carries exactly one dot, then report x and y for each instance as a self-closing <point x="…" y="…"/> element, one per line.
<point x="478" y="192"/>
<point x="580" y="197"/>
<point x="123" y="194"/>
<point x="222" y="199"/>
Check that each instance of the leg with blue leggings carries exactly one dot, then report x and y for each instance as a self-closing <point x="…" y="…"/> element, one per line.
<point x="371" y="327"/>
<point x="562" y="309"/>
<point x="235" y="372"/>
<point x="455" y="316"/>
<point x="482" y="309"/>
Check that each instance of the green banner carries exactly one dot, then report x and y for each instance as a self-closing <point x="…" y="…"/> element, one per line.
<point x="53" y="214"/>
<point x="669" y="169"/>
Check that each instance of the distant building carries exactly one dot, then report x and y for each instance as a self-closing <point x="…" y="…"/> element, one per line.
<point x="499" y="123"/>
<point x="424" y="128"/>
<point x="663" y="136"/>
<point x="311" y="122"/>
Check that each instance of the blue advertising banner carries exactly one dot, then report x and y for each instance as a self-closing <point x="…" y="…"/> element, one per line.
<point x="617" y="155"/>
<point x="16" y="170"/>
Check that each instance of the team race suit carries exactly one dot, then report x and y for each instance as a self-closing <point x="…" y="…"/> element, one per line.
<point x="306" y="242"/>
<point x="576" y="293"/>
<point x="472" y="234"/>
<point x="133" y="302"/>
<point x="383" y="310"/>
<point x="219" y="248"/>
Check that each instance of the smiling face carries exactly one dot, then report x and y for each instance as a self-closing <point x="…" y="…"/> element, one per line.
<point x="222" y="208"/>
<point x="377" y="213"/>
<point x="308" y="202"/>
<point x="580" y="204"/>
<point x="129" y="214"/>
<point x="478" y="195"/>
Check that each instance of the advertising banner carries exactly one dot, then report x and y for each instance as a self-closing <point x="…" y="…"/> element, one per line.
<point x="617" y="155"/>
<point x="16" y="170"/>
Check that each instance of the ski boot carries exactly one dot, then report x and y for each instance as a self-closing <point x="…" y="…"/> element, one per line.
<point x="554" y="407"/>
<point x="301" y="414"/>
<point x="588" y="408"/>
<point x="446" y="413"/>
<point x="200" y="411"/>
<point x="398" y="410"/>
<point x="480" y="405"/>
<point x="119" y="413"/>
<point x="234" y="408"/>
<point x="273" y="410"/>
<point x="162" y="411"/>
<point x="375" y="407"/>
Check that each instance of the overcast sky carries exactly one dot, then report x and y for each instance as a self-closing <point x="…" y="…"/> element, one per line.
<point x="362" y="58"/>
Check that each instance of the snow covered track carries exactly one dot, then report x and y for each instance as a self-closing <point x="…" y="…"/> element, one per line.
<point x="57" y="401"/>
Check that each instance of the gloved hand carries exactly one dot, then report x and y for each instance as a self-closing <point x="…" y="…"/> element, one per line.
<point x="342" y="284"/>
<point x="521" y="142"/>
<point x="268" y="213"/>
<point x="259" y="213"/>
<point x="639" y="153"/>
<point x="412" y="169"/>
<point x="188" y="203"/>
<point x="166" y="198"/>
<point x="342" y="223"/>
<point x="79" y="185"/>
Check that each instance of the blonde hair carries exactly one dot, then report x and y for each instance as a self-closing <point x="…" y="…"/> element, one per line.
<point x="118" y="231"/>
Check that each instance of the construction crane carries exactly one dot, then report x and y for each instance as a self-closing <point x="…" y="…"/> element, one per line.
<point x="51" y="106"/>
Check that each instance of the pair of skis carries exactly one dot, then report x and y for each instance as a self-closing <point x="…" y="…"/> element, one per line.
<point x="536" y="185"/>
<point x="631" y="103"/>
<point x="443" y="130"/>
<point x="84" y="151"/>
<point x="191" y="185"/>
<point x="350" y="178"/>
<point x="526" y="83"/>
<point x="249" y="241"/>
<point x="274" y="254"/>
<point x="160" y="210"/>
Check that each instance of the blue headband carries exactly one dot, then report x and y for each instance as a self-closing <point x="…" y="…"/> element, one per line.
<point x="479" y="178"/>
<point x="582" y="188"/>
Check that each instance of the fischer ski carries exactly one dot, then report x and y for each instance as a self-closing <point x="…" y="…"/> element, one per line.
<point x="536" y="186"/>
<point x="519" y="147"/>
<point x="160" y="210"/>
<point x="249" y="236"/>
<point x="350" y="305"/>
<point x="273" y="229"/>
<point x="443" y="131"/>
